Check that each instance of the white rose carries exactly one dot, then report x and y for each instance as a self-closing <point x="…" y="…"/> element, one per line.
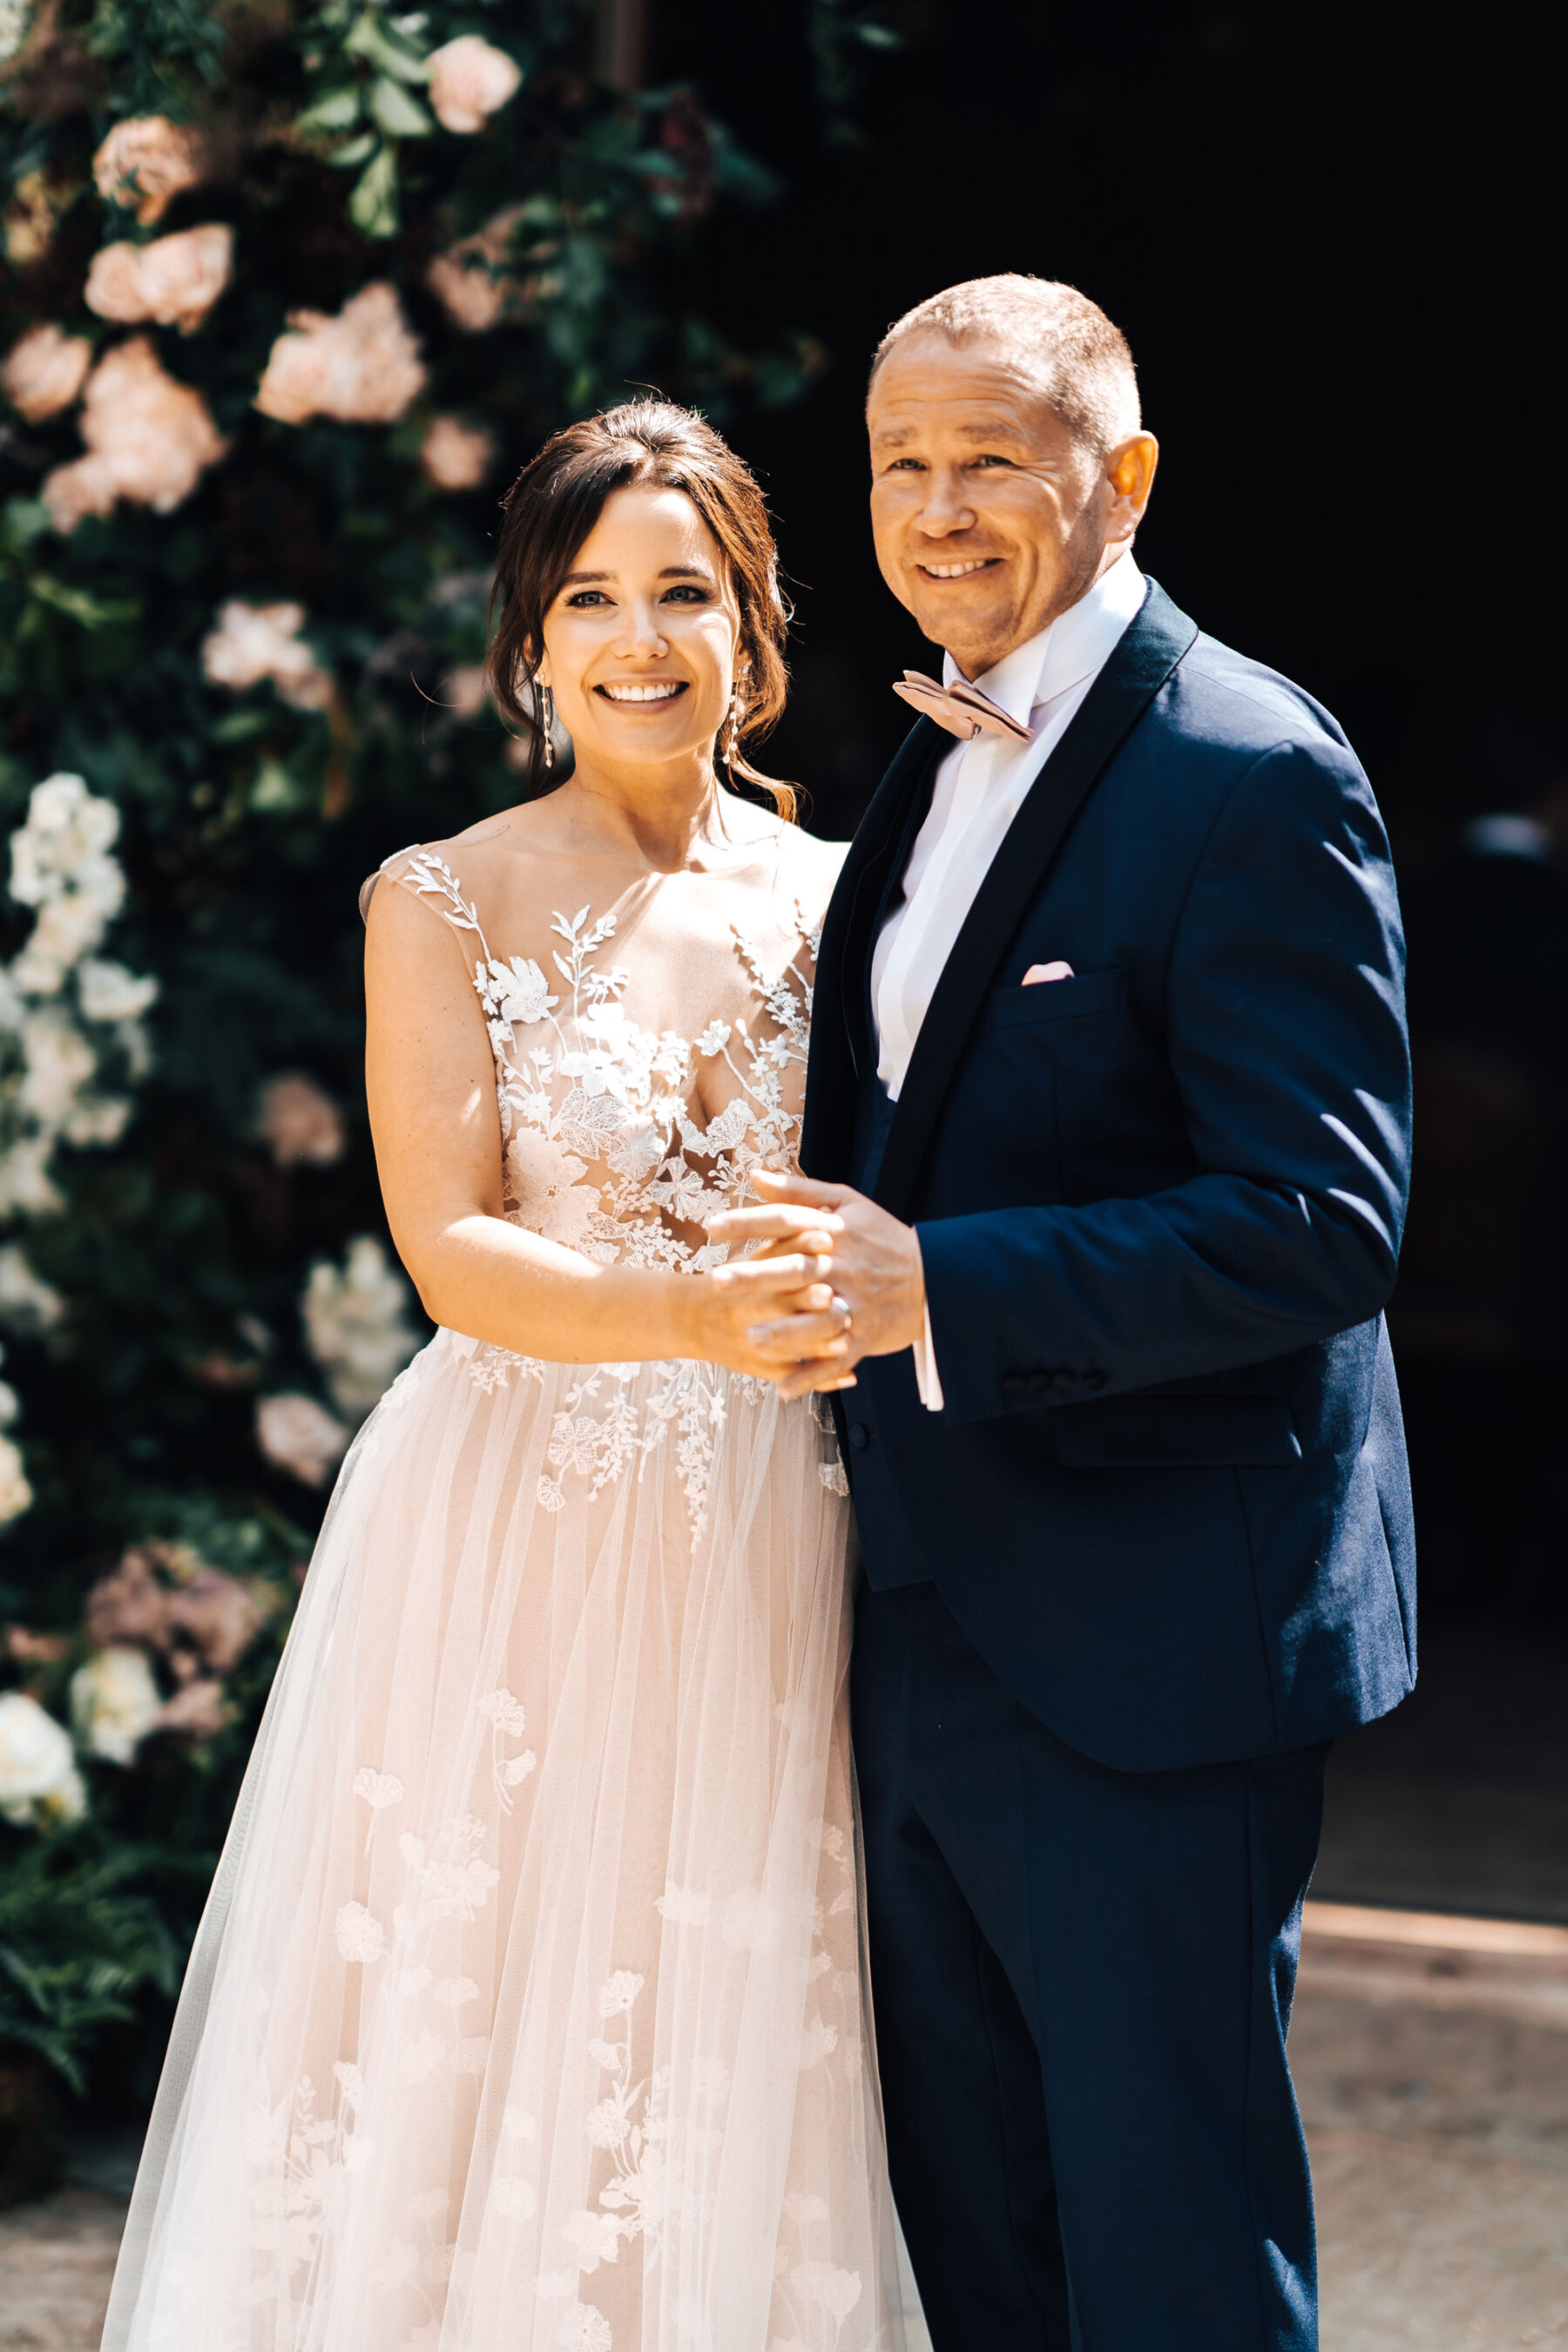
<point x="114" y="1704"/>
<point x="469" y="81"/>
<point x="38" y="1778"/>
<point x="109" y="992"/>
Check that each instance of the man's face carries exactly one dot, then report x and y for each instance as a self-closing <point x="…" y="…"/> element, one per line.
<point x="989" y="518"/>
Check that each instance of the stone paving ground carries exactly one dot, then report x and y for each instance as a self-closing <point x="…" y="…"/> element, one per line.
<point x="1433" y="2077"/>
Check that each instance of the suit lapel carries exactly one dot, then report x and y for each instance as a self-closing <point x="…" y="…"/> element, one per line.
<point x="1142" y="661"/>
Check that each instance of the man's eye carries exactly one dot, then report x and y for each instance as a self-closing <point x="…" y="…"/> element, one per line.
<point x="905" y="466"/>
<point x="992" y="461"/>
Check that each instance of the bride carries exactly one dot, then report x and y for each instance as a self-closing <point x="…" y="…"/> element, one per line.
<point x="528" y="2011"/>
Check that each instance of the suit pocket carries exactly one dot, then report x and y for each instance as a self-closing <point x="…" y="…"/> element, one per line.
<point x="1175" y="1432"/>
<point x="1056" y="1000"/>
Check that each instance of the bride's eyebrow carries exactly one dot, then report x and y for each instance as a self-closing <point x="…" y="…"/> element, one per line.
<point x="586" y="579"/>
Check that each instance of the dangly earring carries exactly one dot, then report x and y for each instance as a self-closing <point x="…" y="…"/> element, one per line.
<point x="544" y="708"/>
<point x="732" y="732"/>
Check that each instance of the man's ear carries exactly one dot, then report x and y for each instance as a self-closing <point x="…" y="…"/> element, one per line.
<point x="1130" y="474"/>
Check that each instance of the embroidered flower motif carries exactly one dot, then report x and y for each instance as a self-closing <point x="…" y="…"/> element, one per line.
<point x="619" y="1993"/>
<point x="360" y="1937"/>
<point x="585" y="2329"/>
<point x="600" y="1125"/>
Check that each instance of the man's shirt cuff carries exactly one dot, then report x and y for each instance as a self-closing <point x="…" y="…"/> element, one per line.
<point x="927" y="1378"/>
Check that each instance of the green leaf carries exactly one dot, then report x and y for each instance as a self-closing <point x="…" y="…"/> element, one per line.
<point x="91" y="612"/>
<point x="399" y="116"/>
<point x="372" y="202"/>
<point x="336" y="112"/>
<point x="353" y="151"/>
<point x="879" y="36"/>
<point x="388" y="49"/>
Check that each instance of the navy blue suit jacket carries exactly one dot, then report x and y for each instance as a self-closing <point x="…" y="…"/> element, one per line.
<point x="1159" y="1206"/>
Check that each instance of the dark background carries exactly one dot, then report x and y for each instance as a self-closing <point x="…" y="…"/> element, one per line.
<point x="1333" y="240"/>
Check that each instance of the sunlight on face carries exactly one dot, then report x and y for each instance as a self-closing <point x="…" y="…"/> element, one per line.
<point x="640" y="643"/>
<point x="987" y="514"/>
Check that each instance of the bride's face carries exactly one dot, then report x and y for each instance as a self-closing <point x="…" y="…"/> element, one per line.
<point x="640" y="643"/>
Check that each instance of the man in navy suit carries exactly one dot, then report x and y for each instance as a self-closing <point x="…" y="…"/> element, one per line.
<point x="1109" y="1117"/>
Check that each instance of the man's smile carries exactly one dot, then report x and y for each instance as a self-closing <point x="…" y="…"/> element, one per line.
<point x="958" y="571"/>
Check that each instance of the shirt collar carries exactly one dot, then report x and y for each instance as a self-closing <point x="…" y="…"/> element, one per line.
<point x="1074" y="646"/>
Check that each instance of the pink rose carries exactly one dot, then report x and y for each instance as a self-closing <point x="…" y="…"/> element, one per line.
<point x="361" y="367"/>
<point x="300" y="1436"/>
<point x="176" y="280"/>
<point x="199" y="1710"/>
<point x="470" y="81"/>
<point x="300" y="1123"/>
<point x="147" y="162"/>
<point x="44" y="371"/>
<point x="148" y="439"/>
<point x="455" y="455"/>
<point x="220" y="1614"/>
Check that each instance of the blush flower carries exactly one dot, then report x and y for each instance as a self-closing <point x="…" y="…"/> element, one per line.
<point x="361" y="367"/>
<point x="44" y="371"/>
<point x="455" y="455"/>
<point x="175" y="281"/>
<point x="147" y="162"/>
<point x="471" y="280"/>
<point x="469" y="81"/>
<point x="253" y="642"/>
<point x="300" y="1436"/>
<point x="148" y="439"/>
<point x="300" y="1122"/>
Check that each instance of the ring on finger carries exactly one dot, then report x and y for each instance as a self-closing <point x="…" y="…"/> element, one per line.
<point x="842" y="1306"/>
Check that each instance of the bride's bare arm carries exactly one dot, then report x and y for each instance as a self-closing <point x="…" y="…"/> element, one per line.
<point x="430" y="1080"/>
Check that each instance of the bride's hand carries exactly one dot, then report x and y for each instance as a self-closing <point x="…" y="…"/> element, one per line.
<point x="775" y="1317"/>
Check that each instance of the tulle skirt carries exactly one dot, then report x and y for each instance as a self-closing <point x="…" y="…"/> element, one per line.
<point x="530" y="2007"/>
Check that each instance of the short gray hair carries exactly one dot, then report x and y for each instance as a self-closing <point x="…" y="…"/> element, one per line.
<point x="1052" y="335"/>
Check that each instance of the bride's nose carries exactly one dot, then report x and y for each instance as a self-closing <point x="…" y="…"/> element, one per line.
<point x="641" y="638"/>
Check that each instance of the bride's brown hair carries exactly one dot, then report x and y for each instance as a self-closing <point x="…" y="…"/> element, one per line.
<point x="555" y="503"/>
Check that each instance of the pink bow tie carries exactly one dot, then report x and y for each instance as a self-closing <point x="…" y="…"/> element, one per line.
<point x="963" y="710"/>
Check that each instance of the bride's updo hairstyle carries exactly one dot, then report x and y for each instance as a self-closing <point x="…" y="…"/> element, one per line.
<point x="553" y="504"/>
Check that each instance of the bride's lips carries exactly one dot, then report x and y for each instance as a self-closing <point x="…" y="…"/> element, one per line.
<point x="643" y="693"/>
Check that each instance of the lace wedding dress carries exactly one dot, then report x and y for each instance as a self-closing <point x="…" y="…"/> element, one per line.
<point x="528" y="2011"/>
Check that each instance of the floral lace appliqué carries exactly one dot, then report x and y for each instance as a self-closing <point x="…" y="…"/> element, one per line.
<point x="601" y="1153"/>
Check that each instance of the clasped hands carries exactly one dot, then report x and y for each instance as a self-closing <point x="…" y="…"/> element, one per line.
<point x="836" y="1278"/>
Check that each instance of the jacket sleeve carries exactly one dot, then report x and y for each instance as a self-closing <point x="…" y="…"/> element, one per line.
<point x="1286" y="1041"/>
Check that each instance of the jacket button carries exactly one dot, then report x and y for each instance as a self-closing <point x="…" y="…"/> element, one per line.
<point x="1014" y="1385"/>
<point x="1062" y="1384"/>
<point x="1039" y="1383"/>
<point x="859" y="1436"/>
<point x="1094" y="1382"/>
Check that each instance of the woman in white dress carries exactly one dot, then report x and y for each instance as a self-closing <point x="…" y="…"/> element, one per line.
<point x="528" y="2011"/>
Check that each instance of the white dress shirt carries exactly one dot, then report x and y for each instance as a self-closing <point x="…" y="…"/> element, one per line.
<point x="979" y="789"/>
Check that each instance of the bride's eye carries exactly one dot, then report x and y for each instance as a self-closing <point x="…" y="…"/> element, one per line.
<point x="583" y="598"/>
<point x="687" y="593"/>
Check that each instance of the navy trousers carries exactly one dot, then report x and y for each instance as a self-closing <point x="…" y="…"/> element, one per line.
<point x="1082" y="1982"/>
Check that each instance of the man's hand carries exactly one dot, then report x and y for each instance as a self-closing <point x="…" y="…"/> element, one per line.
<point x="872" y="1261"/>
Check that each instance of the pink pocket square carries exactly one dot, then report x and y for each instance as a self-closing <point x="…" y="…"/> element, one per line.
<point x="1038" y="972"/>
